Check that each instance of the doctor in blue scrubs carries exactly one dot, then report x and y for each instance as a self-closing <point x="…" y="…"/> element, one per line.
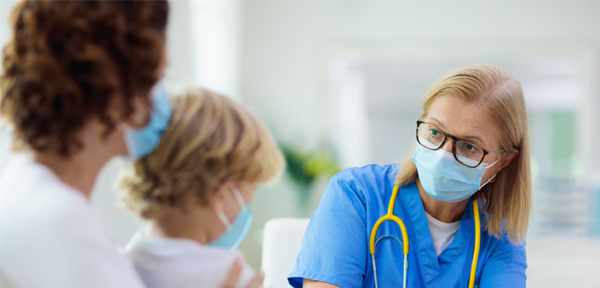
<point x="462" y="197"/>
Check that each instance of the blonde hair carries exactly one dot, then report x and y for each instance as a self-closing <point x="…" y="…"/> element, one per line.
<point x="210" y="140"/>
<point x="500" y="97"/>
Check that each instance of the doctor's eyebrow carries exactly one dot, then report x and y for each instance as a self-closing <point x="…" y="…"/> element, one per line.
<point x="437" y="122"/>
<point x="466" y="137"/>
<point x="473" y="137"/>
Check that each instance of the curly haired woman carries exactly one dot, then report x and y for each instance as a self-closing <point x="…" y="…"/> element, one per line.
<point x="76" y="76"/>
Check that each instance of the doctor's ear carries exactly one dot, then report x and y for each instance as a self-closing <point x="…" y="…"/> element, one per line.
<point x="507" y="159"/>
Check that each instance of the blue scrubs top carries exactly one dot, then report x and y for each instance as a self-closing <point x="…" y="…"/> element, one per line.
<point x="335" y="248"/>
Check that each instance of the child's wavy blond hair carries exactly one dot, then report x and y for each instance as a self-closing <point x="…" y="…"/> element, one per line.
<point x="210" y="139"/>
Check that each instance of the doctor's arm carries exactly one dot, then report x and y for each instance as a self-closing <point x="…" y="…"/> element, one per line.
<point x="333" y="252"/>
<point x="316" y="284"/>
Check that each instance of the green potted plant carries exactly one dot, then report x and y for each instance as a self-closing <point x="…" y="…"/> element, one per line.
<point x="304" y="167"/>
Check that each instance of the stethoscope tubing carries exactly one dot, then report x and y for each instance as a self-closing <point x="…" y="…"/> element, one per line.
<point x="405" y="244"/>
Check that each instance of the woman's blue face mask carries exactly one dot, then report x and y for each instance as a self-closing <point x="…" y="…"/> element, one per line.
<point x="444" y="178"/>
<point x="140" y="142"/>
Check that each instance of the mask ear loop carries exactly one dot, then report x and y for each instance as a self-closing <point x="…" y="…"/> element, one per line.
<point x="491" y="180"/>
<point x="240" y="200"/>
<point x="238" y="197"/>
<point x="490" y="166"/>
<point x="224" y="220"/>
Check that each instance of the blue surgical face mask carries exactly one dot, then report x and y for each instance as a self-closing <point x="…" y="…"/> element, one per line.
<point x="140" y="142"/>
<point x="236" y="231"/>
<point x="444" y="178"/>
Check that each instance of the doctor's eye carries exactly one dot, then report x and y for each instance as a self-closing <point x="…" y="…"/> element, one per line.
<point x="467" y="147"/>
<point x="434" y="132"/>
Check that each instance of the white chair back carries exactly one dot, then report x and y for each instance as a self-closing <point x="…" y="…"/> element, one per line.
<point x="5" y="282"/>
<point x="282" y="239"/>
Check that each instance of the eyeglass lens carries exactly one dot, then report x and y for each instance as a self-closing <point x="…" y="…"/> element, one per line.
<point x="434" y="138"/>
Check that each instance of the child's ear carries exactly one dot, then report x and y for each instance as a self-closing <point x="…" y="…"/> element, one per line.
<point x="219" y="196"/>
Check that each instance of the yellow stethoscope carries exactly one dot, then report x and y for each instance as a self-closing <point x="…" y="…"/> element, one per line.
<point x="390" y="216"/>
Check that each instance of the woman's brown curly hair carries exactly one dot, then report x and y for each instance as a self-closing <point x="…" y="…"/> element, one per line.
<point x="65" y="61"/>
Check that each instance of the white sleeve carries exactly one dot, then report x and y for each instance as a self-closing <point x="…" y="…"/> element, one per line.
<point x="69" y="247"/>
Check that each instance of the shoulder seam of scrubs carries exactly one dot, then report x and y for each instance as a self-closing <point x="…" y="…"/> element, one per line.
<point x="362" y="201"/>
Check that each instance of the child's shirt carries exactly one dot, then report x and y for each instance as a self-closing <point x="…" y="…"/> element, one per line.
<point x="183" y="263"/>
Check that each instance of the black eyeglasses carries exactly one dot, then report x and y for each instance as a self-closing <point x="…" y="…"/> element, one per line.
<point x="465" y="152"/>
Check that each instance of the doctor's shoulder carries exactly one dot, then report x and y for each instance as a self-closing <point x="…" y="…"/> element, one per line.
<point x="369" y="172"/>
<point x="367" y="179"/>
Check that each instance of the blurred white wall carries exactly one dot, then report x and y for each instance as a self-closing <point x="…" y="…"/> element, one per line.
<point x="287" y="45"/>
<point x="203" y="44"/>
<point x="5" y="7"/>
